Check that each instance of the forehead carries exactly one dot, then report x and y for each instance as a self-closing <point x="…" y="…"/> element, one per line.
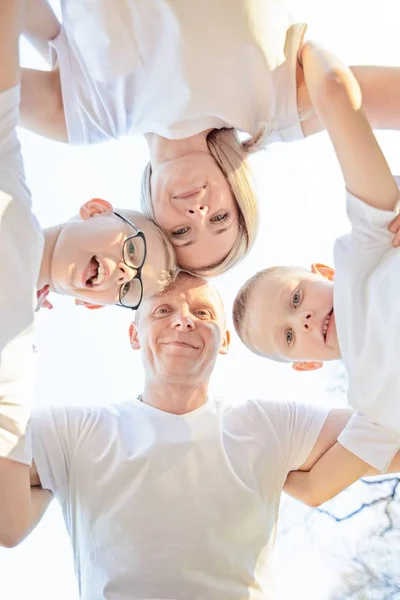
<point x="191" y="290"/>
<point x="265" y="310"/>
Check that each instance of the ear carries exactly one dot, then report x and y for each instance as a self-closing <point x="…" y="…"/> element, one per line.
<point x="226" y="340"/>
<point x="323" y="270"/>
<point x="95" y="206"/>
<point x="307" y="366"/>
<point x="133" y="336"/>
<point x="88" y="305"/>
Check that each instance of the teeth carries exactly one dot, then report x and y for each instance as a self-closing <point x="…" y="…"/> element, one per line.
<point x="101" y="275"/>
<point x="326" y="324"/>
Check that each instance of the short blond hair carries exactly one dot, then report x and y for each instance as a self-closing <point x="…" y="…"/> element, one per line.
<point x="230" y="154"/>
<point x="169" y="274"/>
<point x="242" y="303"/>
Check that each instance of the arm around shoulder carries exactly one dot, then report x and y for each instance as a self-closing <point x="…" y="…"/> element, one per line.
<point x="21" y="506"/>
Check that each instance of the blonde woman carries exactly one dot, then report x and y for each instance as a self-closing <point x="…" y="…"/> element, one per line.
<point x="188" y="76"/>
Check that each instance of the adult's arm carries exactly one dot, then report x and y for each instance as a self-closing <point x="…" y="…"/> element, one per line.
<point x="19" y="265"/>
<point x="330" y="468"/>
<point x="23" y="502"/>
<point x="337" y="100"/>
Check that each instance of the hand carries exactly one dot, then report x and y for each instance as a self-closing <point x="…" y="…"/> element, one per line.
<point x="394" y="227"/>
<point x="42" y="301"/>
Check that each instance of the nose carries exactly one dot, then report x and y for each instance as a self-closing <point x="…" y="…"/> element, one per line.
<point x="308" y="321"/>
<point x="197" y="211"/>
<point x="125" y="273"/>
<point x="182" y="320"/>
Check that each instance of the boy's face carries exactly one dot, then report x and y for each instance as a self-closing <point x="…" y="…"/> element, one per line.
<point x="87" y="262"/>
<point x="290" y="315"/>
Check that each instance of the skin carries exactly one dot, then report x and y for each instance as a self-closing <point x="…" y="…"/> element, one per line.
<point x="180" y="333"/>
<point x="192" y="200"/>
<point x="288" y="314"/>
<point x="99" y="232"/>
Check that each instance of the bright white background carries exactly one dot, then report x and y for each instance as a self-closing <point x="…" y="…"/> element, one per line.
<point x="84" y="357"/>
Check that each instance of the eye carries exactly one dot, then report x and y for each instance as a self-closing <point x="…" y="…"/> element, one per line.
<point x="219" y="218"/>
<point x="131" y="249"/>
<point x="125" y="289"/>
<point x="181" y="231"/>
<point x="289" y="336"/>
<point x="161" y="311"/>
<point x="203" y="312"/>
<point x="296" y="299"/>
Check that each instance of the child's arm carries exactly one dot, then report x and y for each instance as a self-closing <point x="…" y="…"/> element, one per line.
<point x="331" y="474"/>
<point x="336" y="97"/>
<point x="380" y="87"/>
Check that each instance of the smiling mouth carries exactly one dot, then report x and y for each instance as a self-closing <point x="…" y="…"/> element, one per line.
<point x="325" y="325"/>
<point x="181" y="345"/>
<point x="95" y="273"/>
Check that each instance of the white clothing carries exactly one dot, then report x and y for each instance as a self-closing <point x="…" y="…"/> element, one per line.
<point x="367" y="313"/>
<point x="160" y="506"/>
<point x="178" y="67"/>
<point x="21" y="248"/>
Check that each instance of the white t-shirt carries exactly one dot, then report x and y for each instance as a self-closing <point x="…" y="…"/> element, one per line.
<point x="178" y="67"/>
<point x="21" y="247"/>
<point x="160" y="506"/>
<point x="367" y="313"/>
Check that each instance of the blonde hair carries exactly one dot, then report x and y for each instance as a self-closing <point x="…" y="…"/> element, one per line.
<point x="230" y="154"/>
<point x="169" y="274"/>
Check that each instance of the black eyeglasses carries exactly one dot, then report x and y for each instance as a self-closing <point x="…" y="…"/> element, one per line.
<point x="134" y="253"/>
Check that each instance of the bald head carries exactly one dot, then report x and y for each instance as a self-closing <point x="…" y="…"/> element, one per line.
<point x="181" y="331"/>
<point x="185" y="281"/>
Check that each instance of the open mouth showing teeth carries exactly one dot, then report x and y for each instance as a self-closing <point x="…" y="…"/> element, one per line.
<point x="326" y="324"/>
<point x="96" y="273"/>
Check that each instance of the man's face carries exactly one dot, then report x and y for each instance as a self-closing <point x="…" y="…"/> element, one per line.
<point x="290" y="315"/>
<point x="87" y="258"/>
<point x="182" y="331"/>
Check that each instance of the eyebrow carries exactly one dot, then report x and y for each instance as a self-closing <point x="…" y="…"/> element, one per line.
<point x="218" y="232"/>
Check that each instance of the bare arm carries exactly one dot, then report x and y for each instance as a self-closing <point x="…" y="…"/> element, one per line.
<point x="18" y="508"/>
<point x="22" y="506"/>
<point x="380" y="87"/>
<point x="330" y="468"/>
<point x="40" y="25"/>
<point x="336" y="97"/>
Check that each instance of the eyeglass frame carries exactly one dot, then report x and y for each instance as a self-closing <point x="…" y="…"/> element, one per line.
<point x="138" y="276"/>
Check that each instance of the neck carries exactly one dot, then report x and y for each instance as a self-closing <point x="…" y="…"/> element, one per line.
<point x="163" y="149"/>
<point x="50" y="239"/>
<point x="177" y="399"/>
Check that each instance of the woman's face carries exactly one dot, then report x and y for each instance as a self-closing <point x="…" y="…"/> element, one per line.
<point x="194" y="205"/>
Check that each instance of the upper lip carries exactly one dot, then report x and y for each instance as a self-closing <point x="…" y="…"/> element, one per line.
<point x="191" y="193"/>
<point x="325" y="323"/>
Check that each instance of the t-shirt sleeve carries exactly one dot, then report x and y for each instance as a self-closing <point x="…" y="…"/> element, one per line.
<point x="21" y="244"/>
<point x="55" y="435"/>
<point x="95" y="110"/>
<point x="369" y="228"/>
<point x="374" y="444"/>
<point x="367" y="314"/>
<point x="293" y="428"/>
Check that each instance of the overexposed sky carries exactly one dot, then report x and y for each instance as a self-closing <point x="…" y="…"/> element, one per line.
<point x="84" y="357"/>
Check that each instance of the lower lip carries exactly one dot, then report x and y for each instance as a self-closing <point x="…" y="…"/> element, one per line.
<point x="189" y="194"/>
<point x="330" y="328"/>
<point x="178" y="345"/>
